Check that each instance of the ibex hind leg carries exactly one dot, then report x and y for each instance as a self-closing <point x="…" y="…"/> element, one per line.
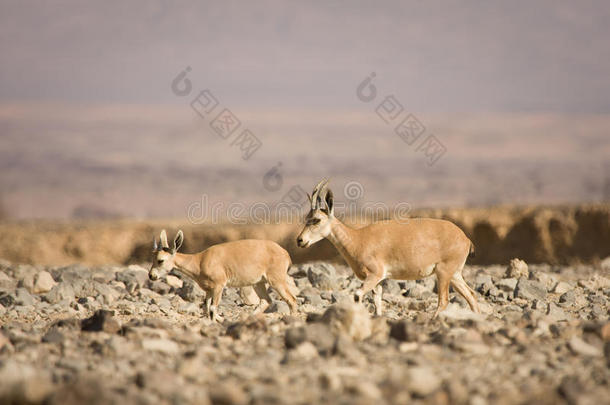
<point x="261" y="290"/>
<point x="457" y="281"/>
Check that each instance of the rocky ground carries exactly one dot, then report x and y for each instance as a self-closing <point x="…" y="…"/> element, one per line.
<point x="97" y="335"/>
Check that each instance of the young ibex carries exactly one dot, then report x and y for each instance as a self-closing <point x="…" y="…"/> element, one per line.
<point x="388" y="249"/>
<point x="240" y="263"/>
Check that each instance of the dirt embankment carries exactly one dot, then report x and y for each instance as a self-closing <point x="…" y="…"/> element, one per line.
<point x="563" y="235"/>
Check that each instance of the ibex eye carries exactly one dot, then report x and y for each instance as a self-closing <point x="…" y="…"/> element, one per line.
<point x="159" y="261"/>
<point x="313" y="221"/>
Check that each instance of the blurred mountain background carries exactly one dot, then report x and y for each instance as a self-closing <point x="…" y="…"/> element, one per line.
<point x="517" y="93"/>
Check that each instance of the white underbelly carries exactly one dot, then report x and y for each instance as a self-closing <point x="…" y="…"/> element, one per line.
<point x="400" y="272"/>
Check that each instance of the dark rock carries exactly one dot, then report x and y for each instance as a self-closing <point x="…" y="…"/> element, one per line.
<point x="254" y="323"/>
<point x="567" y="297"/>
<point x="102" y="320"/>
<point x="294" y="337"/>
<point x="404" y="331"/>
<point x="53" y="336"/>
<point x="7" y="299"/>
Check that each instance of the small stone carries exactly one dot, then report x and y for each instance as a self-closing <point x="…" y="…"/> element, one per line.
<point x="190" y="292"/>
<point x="391" y="287"/>
<point x="294" y="337"/>
<point x="350" y="318"/>
<point x="160" y="287"/>
<point x="562" y="287"/>
<point x="62" y="291"/>
<point x="422" y="381"/>
<point x="102" y="320"/>
<point x="161" y="345"/>
<point x="6" y="281"/>
<point x="173" y="281"/>
<point x="279" y="307"/>
<point x="568" y="297"/>
<point x="238" y="330"/>
<point x="53" y="336"/>
<point x="339" y="297"/>
<point x="556" y="314"/>
<point x="517" y="268"/>
<point x="303" y="352"/>
<point x="248" y="296"/>
<point x="43" y="282"/>
<point x="189" y="308"/>
<point x="507" y="284"/>
<point x="227" y="394"/>
<point x="23" y="297"/>
<point x="404" y="331"/>
<point x="418" y="291"/>
<point x="579" y="346"/>
<point x="318" y="334"/>
<point x="530" y="290"/>
<point x="323" y="276"/>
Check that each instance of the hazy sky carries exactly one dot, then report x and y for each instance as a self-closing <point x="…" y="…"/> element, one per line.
<point x="434" y="56"/>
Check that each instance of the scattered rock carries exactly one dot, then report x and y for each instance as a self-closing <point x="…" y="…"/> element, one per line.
<point x="350" y="318"/>
<point x="23" y="297"/>
<point x="43" y="282"/>
<point x="556" y="314"/>
<point x="568" y="297"/>
<point x="248" y="296"/>
<point x="279" y="307"/>
<point x="517" y="268"/>
<point x="227" y="394"/>
<point x="530" y="290"/>
<point x="173" y="281"/>
<point x="322" y="276"/>
<point x="391" y="287"/>
<point x="53" y="336"/>
<point x="61" y="291"/>
<point x="422" y="381"/>
<point x="404" y="331"/>
<point x="166" y="346"/>
<point x="580" y="347"/>
<point x="101" y="321"/>
<point x="305" y="351"/>
<point x="316" y="333"/>
<point x="190" y="292"/>
<point x="254" y="323"/>
<point x="562" y="287"/>
<point x="507" y="284"/>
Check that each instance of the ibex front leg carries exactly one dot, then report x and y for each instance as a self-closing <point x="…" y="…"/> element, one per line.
<point x="216" y="295"/>
<point x="370" y="284"/>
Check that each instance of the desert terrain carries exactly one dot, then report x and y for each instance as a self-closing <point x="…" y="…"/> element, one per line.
<point x="121" y="119"/>
<point x="82" y="323"/>
<point x="106" y="334"/>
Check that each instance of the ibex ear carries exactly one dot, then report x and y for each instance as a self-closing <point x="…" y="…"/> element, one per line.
<point x="155" y="246"/>
<point x="164" y="243"/>
<point x="178" y="241"/>
<point x="330" y="202"/>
